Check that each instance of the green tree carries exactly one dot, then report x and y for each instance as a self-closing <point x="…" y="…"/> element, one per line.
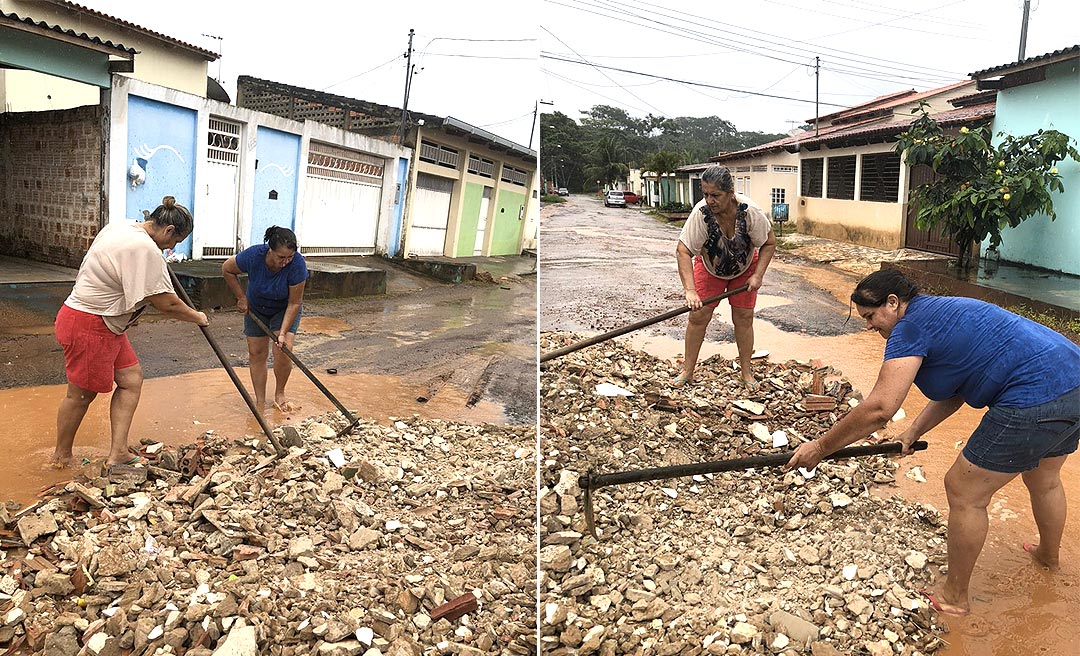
<point x="606" y="162"/>
<point x="982" y="187"/>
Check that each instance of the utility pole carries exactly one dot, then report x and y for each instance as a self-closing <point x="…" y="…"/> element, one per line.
<point x="220" y="39"/>
<point x="1023" y="31"/>
<point x="408" y="86"/>
<point x="817" y="89"/>
<point x="536" y="112"/>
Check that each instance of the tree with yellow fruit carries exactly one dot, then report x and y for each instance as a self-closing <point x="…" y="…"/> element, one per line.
<point x="982" y="187"/>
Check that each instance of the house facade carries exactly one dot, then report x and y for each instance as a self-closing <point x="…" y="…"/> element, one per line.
<point x="68" y="172"/>
<point x="469" y="192"/>
<point x="1042" y="93"/>
<point x="163" y="60"/>
<point x="842" y="179"/>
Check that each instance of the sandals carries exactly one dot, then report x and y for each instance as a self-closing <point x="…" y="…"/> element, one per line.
<point x="681" y="381"/>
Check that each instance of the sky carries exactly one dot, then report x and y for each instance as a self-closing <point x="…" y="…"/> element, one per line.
<point x="759" y="48"/>
<point x="476" y="69"/>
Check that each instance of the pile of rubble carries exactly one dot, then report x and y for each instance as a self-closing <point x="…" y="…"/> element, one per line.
<point x="753" y="562"/>
<point x="408" y="539"/>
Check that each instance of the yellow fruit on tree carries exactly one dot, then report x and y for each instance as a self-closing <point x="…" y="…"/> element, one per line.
<point x="1007" y="196"/>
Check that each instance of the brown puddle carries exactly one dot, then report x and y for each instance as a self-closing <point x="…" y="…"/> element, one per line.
<point x="1014" y="602"/>
<point x="178" y="409"/>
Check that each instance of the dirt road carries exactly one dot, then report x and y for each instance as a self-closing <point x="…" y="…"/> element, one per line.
<point x="603" y="268"/>
<point x="472" y="344"/>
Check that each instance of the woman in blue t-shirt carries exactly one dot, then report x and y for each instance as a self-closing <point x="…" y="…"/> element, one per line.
<point x="960" y="350"/>
<point x="276" y="274"/>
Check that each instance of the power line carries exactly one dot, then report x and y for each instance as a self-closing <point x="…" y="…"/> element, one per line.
<point x="448" y="54"/>
<point x="734" y="41"/>
<point x="662" y="113"/>
<point x="370" y="70"/>
<point x="592" y="91"/>
<point x="672" y="79"/>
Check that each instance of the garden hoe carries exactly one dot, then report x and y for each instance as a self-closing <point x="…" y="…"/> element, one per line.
<point x="322" y="388"/>
<point x="558" y="353"/>
<point x="279" y="450"/>
<point x="589" y="482"/>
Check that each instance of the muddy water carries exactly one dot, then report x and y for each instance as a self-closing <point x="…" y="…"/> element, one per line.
<point x="178" y="409"/>
<point x="1014" y="602"/>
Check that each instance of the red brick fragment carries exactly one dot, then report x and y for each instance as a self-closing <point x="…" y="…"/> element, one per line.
<point x="455" y="608"/>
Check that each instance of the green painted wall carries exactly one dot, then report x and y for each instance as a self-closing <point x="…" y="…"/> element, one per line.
<point x="507" y="237"/>
<point x="470" y="218"/>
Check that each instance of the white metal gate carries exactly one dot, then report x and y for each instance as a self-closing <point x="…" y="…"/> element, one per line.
<point x="481" y="223"/>
<point x="217" y="223"/>
<point x="342" y="196"/>
<point x="430" y="214"/>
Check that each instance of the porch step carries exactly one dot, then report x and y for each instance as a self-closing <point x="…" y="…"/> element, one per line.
<point x="203" y="282"/>
<point x="443" y="269"/>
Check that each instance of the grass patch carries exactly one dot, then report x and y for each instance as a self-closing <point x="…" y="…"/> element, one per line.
<point x="1069" y="327"/>
<point x="552" y="198"/>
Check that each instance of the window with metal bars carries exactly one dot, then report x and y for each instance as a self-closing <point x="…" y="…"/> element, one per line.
<point x="779" y="195"/>
<point x="223" y="139"/>
<point x="841" y="178"/>
<point x="481" y="166"/>
<point x="880" y="178"/>
<point x="759" y="168"/>
<point x="812" y="171"/>
<point x="513" y="176"/>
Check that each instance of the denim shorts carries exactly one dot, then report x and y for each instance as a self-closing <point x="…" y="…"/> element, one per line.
<point x="1014" y="440"/>
<point x="252" y="329"/>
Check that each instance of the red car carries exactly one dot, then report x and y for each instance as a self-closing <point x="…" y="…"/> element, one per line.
<point x="631" y="198"/>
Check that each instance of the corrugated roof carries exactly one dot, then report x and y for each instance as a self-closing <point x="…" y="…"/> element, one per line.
<point x="208" y="54"/>
<point x="868" y="128"/>
<point x="1005" y="68"/>
<point x="386" y="111"/>
<point x="866" y="106"/>
<point x="72" y="33"/>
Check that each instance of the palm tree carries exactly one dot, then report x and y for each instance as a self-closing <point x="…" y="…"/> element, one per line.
<point x="605" y="161"/>
<point x="661" y="163"/>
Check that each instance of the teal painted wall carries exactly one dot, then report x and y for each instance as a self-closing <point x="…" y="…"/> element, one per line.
<point x="470" y="218"/>
<point x="1050" y="104"/>
<point x="507" y="237"/>
<point x="66" y="60"/>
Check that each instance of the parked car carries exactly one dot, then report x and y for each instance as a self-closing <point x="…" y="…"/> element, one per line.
<point x="631" y="198"/>
<point x="614" y="198"/>
<point x="563" y="191"/>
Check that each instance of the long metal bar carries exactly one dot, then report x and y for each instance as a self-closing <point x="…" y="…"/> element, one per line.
<point x="558" y="353"/>
<point x="307" y="372"/>
<point x="752" y="462"/>
<point x="182" y="293"/>
<point x="589" y="482"/>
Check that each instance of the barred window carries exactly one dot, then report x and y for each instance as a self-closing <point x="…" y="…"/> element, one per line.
<point x="779" y="195"/>
<point x="742" y="169"/>
<point x="759" y="168"/>
<point x="880" y="177"/>
<point x="841" y="178"/>
<point x="812" y="171"/>
<point x="783" y="168"/>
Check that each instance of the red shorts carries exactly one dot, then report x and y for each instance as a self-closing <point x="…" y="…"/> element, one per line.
<point x="708" y="285"/>
<point x="92" y="352"/>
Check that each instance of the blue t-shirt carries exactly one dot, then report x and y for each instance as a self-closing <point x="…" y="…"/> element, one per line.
<point x="987" y="355"/>
<point x="268" y="292"/>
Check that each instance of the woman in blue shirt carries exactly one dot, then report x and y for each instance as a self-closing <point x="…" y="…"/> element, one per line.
<point x="961" y="350"/>
<point x="276" y="274"/>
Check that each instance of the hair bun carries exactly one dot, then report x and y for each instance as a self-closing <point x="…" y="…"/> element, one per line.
<point x="168" y="202"/>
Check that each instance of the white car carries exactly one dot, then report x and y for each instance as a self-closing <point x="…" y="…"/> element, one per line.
<point x="614" y="198"/>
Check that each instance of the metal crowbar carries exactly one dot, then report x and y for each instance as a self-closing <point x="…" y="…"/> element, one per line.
<point x="353" y="421"/>
<point x="589" y="482"/>
<point x="558" y="353"/>
<point x="279" y="450"/>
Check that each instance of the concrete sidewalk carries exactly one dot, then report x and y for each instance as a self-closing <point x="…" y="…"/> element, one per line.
<point x="1010" y="285"/>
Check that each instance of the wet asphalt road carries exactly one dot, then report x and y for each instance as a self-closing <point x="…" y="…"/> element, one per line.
<point x="479" y="335"/>
<point x="603" y="268"/>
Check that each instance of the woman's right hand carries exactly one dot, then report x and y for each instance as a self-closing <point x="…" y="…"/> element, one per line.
<point x="203" y="319"/>
<point x="693" y="301"/>
<point x="907" y="438"/>
<point x="242" y="305"/>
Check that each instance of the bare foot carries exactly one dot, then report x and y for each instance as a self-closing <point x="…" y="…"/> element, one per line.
<point x="943" y="605"/>
<point x="287" y="406"/>
<point x="1041" y="558"/>
<point x="61" y="461"/>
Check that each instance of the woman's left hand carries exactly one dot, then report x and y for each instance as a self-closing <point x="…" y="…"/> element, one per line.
<point x="807" y="456"/>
